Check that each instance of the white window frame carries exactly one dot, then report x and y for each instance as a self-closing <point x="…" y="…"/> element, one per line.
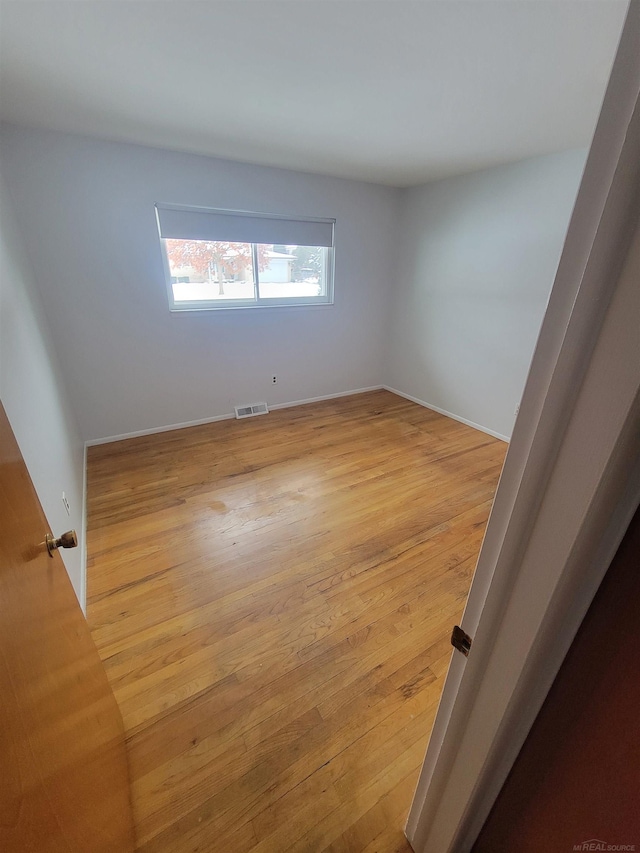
<point x="259" y="301"/>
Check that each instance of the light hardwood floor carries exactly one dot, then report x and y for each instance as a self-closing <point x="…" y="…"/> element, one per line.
<point x="272" y="599"/>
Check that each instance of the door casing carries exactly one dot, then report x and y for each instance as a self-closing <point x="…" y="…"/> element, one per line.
<point x="569" y="487"/>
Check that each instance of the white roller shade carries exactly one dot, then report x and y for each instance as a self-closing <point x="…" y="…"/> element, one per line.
<point x="192" y="223"/>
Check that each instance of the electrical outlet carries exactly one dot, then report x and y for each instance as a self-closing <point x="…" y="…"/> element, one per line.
<point x="65" y="503"/>
<point x="274" y="380"/>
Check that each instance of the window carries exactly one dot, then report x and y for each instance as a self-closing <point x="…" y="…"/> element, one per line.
<point x="233" y="259"/>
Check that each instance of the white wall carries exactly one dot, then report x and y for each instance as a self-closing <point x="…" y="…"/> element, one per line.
<point x="34" y="396"/>
<point x="133" y="365"/>
<point x="440" y="289"/>
<point x="478" y="255"/>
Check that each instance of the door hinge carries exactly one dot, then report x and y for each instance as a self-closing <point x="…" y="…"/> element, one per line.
<point x="460" y="640"/>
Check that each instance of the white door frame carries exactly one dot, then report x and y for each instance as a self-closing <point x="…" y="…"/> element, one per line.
<point x="568" y="490"/>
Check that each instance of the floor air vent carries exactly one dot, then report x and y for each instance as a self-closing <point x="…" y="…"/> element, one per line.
<point x="252" y="410"/>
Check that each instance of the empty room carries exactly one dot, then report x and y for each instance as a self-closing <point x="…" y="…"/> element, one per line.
<point x="273" y="274"/>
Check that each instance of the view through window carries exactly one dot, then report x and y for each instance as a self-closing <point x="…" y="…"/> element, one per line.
<point x="204" y="270"/>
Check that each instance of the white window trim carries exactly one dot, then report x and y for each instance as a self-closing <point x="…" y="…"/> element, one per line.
<point x="258" y="302"/>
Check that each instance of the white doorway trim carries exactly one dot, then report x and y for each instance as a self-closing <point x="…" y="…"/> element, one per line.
<point x="569" y="487"/>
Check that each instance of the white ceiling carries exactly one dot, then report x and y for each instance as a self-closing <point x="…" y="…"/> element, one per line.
<point x="393" y="92"/>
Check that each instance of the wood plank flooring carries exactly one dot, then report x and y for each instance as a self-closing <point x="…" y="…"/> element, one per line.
<point x="272" y="599"/>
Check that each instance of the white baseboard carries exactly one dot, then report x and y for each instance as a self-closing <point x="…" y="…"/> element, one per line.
<point x="325" y="397"/>
<point x="153" y="430"/>
<point x="447" y="414"/>
<point x="92" y="442"/>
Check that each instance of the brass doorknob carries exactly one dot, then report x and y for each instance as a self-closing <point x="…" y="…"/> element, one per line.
<point x="67" y="540"/>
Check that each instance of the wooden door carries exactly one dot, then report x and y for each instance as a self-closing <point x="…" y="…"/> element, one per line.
<point x="63" y="769"/>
